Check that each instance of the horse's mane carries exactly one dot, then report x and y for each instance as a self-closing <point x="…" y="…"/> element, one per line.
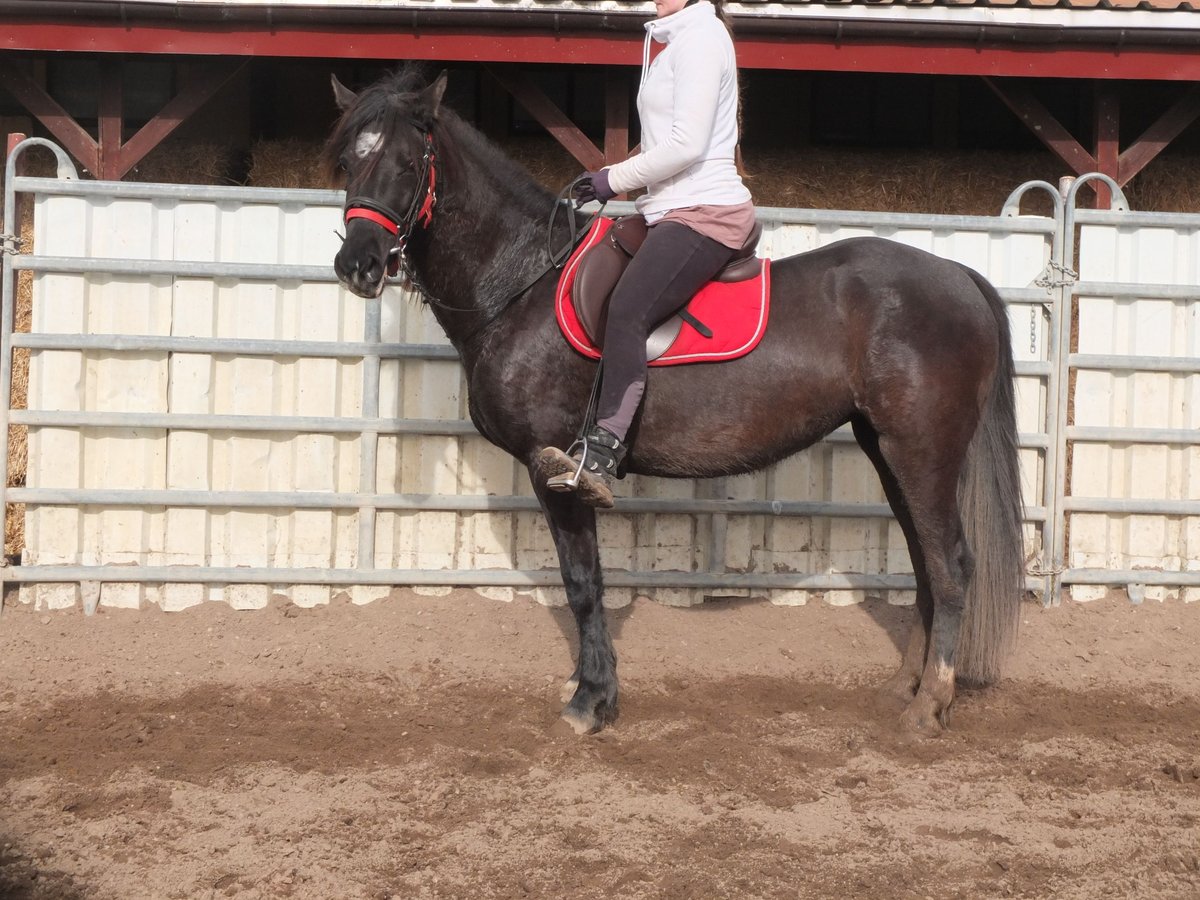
<point x="384" y="104"/>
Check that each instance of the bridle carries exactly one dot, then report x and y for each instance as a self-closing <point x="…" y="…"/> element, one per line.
<point x="419" y="210"/>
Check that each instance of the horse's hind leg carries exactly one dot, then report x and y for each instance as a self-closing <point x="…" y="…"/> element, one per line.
<point x="591" y="693"/>
<point x="903" y="684"/>
<point x="927" y="475"/>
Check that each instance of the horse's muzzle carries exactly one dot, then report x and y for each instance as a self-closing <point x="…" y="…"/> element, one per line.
<point x="362" y="276"/>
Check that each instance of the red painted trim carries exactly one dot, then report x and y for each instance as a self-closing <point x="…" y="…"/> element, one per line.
<point x="754" y="51"/>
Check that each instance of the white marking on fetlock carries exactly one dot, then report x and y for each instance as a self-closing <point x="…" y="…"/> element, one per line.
<point x="568" y="690"/>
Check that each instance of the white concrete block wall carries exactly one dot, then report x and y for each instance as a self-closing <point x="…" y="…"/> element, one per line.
<point x="226" y="384"/>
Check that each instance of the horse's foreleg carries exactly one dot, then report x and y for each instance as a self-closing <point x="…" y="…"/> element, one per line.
<point x="591" y="693"/>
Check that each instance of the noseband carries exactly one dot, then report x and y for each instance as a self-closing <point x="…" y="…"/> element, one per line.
<point x="419" y="210"/>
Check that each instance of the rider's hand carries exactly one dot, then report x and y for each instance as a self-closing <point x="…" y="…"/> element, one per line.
<point x="594" y="186"/>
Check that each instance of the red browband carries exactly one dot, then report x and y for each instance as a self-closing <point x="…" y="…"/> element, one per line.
<point x="370" y="215"/>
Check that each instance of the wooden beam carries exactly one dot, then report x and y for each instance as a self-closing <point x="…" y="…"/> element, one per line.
<point x="198" y="91"/>
<point x="46" y="110"/>
<point x="549" y="116"/>
<point x="1044" y="126"/>
<point x="1106" y="111"/>
<point x="616" y="116"/>
<point x="1152" y="141"/>
<point x="1119" y="59"/>
<point x="111" y="119"/>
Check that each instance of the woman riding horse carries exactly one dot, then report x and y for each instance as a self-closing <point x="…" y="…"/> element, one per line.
<point x="696" y="205"/>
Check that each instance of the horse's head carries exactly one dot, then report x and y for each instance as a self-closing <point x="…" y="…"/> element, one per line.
<point x="384" y="144"/>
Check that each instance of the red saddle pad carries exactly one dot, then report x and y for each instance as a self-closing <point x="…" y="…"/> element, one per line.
<point x="735" y="313"/>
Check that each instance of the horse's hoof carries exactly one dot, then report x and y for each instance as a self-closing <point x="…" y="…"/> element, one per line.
<point x="568" y="690"/>
<point x="895" y="693"/>
<point x="924" y="722"/>
<point x="581" y="723"/>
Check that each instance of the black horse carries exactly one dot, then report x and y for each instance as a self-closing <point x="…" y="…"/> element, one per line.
<point x="910" y="349"/>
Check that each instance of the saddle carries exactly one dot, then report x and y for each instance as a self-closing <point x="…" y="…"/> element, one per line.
<point x="601" y="267"/>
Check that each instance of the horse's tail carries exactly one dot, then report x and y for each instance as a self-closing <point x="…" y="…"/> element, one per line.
<point x="990" y="499"/>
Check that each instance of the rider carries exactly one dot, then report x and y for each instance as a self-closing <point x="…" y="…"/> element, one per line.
<point x="696" y="205"/>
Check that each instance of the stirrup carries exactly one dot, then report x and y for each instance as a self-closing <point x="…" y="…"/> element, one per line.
<point x="588" y="467"/>
<point x="558" y="482"/>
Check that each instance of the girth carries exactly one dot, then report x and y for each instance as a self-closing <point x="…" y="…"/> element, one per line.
<point x="602" y="266"/>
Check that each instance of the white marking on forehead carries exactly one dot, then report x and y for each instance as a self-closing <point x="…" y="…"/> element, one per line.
<point x="367" y="141"/>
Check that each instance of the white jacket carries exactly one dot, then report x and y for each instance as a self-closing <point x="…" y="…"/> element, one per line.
<point x="687" y="103"/>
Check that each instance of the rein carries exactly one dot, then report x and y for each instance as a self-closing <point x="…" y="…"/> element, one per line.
<point x="420" y="211"/>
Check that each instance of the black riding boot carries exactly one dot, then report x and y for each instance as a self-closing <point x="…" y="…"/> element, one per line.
<point x="589" y="469"/>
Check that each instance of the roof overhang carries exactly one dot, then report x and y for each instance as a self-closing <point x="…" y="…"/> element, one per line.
<point x="950" y="40"/>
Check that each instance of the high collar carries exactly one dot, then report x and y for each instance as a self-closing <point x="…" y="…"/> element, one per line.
<point x="667" y="28"/>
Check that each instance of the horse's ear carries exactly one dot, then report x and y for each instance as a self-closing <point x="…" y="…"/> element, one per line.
<point x="342" y="95"/>
<point x="429" y="101"/>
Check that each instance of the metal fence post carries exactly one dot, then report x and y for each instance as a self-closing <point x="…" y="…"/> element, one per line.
<point x="1062" y="413"/>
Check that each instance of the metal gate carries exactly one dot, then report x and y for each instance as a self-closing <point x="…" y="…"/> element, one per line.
<point x="209" y="415"/>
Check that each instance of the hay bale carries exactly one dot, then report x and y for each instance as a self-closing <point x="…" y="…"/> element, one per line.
<point x="938" y="182"/>
<point x="1168" y="184"/>
<point x="286" y="164"/>
<point x="180" y="161"/>
<point x="18" y="435"/>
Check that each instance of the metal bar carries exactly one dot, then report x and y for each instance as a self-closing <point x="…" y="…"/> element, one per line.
<point x="1136" y="507"/>
<point x="1071" y="216"/>
<point x="368" y="442"/>
<point x="1056" y="327"/>
<point x="141" y="268"/>
<point x="8" y="294"/>
<point x="1133" y="219"/>
<point x="251" y="347"/>
<point x="718" y="527"/>
<point x="278" y="272"/>
<point x="1189" y="365"/>
<point x="232" y="346"/>
<point x="458" y="577"/>
<point x="198" y="193"/>
<point x="112" y="497"/>
<point x="502" y="577"/>
<point x="336" y="199"/>
<point x="211" y="422"/>
<point x="1130" y="576"/>
<point x="1117" y="435"/>
<point x="304" y="424"/>
<point x="1117" y="289"/>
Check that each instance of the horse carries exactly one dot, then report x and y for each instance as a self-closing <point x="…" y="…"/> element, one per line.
<point x="911" y="349"/>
